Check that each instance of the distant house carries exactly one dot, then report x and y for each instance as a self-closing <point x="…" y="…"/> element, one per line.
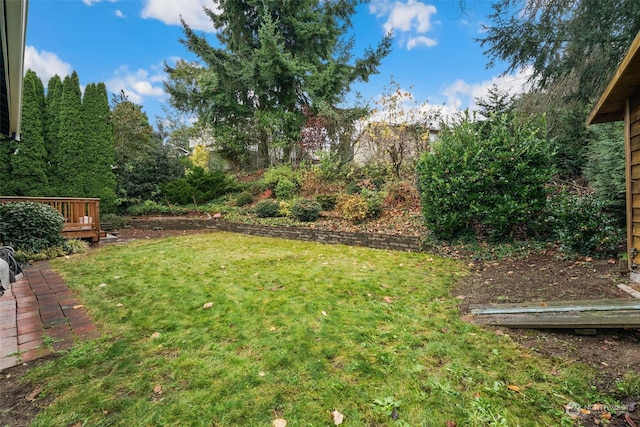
<point x="13" y="26"/>
<point x="377" y="138"/>
<point x="620" y="101"/>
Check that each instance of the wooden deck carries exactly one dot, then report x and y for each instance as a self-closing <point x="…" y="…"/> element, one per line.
<point x="81" y="215"/>
<point x="595" y="314"/>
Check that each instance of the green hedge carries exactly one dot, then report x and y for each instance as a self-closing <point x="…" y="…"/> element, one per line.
<point x="30" y="227"/>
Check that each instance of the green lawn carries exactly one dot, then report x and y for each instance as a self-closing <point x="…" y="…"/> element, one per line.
<point x="295" y="330"/>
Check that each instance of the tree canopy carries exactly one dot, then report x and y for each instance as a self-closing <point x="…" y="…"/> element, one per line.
<point x="277" y="60"/>
<point x="571" y="46"/>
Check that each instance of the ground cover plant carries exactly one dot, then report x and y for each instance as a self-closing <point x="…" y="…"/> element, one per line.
<point x="224" y="329"/>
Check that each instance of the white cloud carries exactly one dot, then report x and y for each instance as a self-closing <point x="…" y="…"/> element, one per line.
<point x="412" y="18"/>
<point x="170" y="12"/>
<point x="138" y="84"/>
<point x="92" y="2"/>
<point x="420" y="40"/>
<point x="45" y="64"/>
<point x="119" y="13"/>
<point x="461" y="94"/>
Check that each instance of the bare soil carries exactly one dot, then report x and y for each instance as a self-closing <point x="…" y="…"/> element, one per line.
<point x="539" y="277"/>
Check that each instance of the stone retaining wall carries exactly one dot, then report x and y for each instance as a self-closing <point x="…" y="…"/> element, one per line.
<point x="371" y="240"/>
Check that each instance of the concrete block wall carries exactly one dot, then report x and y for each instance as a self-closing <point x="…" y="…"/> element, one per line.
<point x="371" y="240"/>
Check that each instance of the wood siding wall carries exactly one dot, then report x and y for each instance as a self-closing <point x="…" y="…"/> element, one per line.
<point x="632" y="137"/>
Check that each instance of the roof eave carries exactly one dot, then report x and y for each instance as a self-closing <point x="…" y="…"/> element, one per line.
<point x="607" y="108"/>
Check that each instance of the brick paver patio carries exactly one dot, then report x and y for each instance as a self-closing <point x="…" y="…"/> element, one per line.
<point x="40" y="315"/>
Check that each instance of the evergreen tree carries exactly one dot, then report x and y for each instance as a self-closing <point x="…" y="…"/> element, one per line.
<point x="99" y="179"/>
<point x="277" y="61"/>
<point x="571" y="46"/>
<point x="72" y="157"/>
<point x="132" y="138"/>
<point x="28" y="164"/>
<point x="53" y="102"/>
<point x="7" y="148"/>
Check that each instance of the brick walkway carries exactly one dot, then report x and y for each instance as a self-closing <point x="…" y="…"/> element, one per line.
<point x="40" y="315"/>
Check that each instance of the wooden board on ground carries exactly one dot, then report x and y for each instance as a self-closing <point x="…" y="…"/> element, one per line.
<point x="623" y="313"/>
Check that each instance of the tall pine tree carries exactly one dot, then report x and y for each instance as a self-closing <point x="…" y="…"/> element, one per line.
<point x="71" y="157"/>
<point x="99" y="179"/>
<point x="53" y="102"/>
<point x="28" y="162"/>
<point x="277" y="61"/>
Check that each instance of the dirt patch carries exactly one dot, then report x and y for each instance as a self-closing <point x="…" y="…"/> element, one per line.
<point x="20" y="401"/>
<point x="544" y="277"/>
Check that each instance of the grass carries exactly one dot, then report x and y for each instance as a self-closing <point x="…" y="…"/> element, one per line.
<point x="295" y="330"/>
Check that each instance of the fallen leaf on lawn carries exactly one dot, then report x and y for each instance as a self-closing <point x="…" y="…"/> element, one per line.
<point x="461" y="297"/>
<point x="119" y="304"/>
<point x="514" y="388"/>
<point x="273" y="328"/>
<point x="387" y="300"/>
<point x="75" y="307"/>
<point x="32" y="396"/>
<point x="324" y="313"/>
<point x="395" y="414"/>
<point x="629" y="421"/>
<point x="451" y="423"/>
<point x="157" y="389"/>
<point x="499" y="333"/>
<point x="208" y="305"/>
<point x="262" y="373"/>
<point x="223" y="267"/>
<point x="102" y="285"/>
<point x="279" y="422"/>
<point x="338" y="418"/>
<point x="155" y="335"/>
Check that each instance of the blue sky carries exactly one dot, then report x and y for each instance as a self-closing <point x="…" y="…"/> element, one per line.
<point x="124" y="44"/>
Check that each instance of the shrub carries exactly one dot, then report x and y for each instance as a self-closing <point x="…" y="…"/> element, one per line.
<point x="75" y="246"/>
<point x="285" y="189"/>
<point x="245" y="198"/>
<point x="272" y="176"/>
<point x="199" y="186"/>
<point x="353" y="207"/>
<point x="374" y="201"/>
<point x="490" y="177"/>
<point x="580" y="225"/>
<point x="306" y="210"/>
<point x="327" y="201"/>
<point x="605" y="167"/>
<point x="118" y="221"/>
<point x="267" y="208"/>
<point x="148" y="207"/>
<point x="284" y="208"/>
<point x="30" y="226"/>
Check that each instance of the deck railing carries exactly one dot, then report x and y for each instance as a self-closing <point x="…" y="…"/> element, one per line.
<point x="81" y="215"/>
